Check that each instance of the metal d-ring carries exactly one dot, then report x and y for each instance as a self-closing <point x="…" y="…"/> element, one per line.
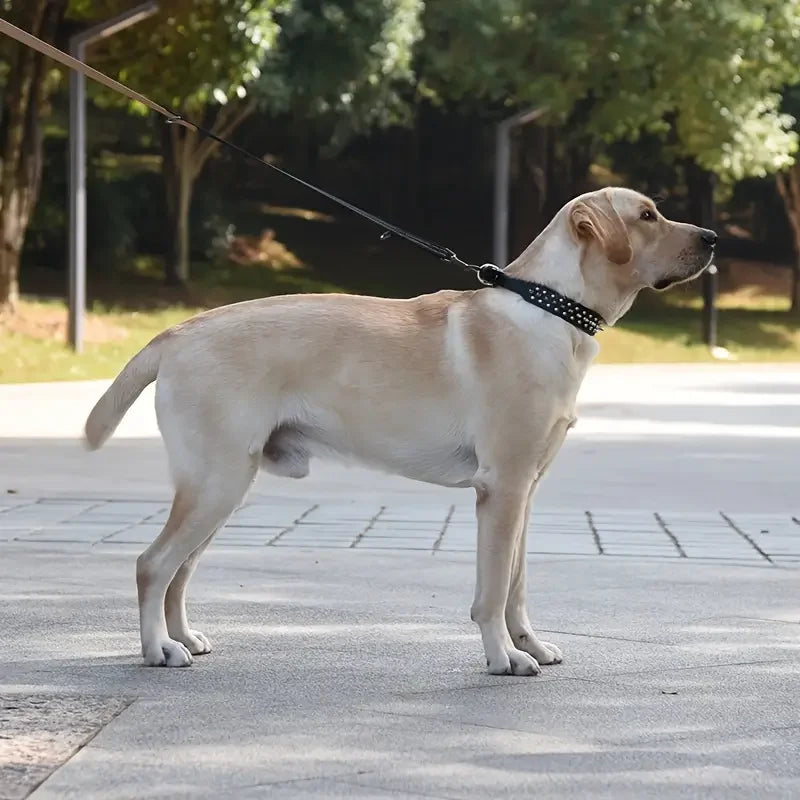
<point x="489" y="274"/>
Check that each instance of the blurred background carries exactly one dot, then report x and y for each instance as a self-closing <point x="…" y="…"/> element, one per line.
<point x="394" y="105"/>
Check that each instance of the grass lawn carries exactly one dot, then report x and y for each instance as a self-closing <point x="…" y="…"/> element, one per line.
<point x="26" y="357"/>
<point x="663" y="328"/>
<point x="130" y="305"/>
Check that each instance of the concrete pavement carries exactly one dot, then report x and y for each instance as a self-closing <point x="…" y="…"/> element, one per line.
<point x="688" y="438"/>
<point x="663" y="558"/>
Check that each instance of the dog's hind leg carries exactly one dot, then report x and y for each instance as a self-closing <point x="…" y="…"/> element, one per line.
<point x="200" y="507"/>
<point x="175" y="605"/>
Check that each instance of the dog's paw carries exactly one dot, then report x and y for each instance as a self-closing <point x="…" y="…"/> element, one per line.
<point x="544" y="652"/>
<point x="167" y="653"/>
<point x="196" y="643"/>
<point x="513" y="662"/>
<point x="554" y="652"/>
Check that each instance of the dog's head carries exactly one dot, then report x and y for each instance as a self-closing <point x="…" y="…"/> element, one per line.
<point x="627" y="242"/>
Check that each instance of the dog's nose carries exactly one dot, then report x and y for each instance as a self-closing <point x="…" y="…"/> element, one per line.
<point x="709" y="238"/>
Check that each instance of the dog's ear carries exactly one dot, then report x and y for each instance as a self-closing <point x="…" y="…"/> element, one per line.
<point x="597" y="218"/>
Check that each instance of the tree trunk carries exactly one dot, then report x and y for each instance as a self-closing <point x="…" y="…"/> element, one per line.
<point x="181" y="250"/>
<point x="184" y="155"/>
<point x="789" y="189"/>
<point x="529" y="187"/>
<point x="179" y="145"/>
<point x="21" y="146"/>
<point x="13" y="228"/>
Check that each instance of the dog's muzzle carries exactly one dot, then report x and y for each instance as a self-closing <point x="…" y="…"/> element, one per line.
<point x="708" y="242"/>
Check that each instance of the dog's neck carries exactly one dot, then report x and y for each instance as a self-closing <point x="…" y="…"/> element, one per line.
<point x="555" y="261"/>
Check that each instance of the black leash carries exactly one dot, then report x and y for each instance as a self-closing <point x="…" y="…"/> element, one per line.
<point x="389" y="228"/>
<point x="537" y="294"/>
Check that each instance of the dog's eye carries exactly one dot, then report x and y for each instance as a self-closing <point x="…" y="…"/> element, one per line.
<point x="647" y="215"/>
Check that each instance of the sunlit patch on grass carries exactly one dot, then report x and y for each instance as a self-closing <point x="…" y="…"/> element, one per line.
<point x="299" y="213"/>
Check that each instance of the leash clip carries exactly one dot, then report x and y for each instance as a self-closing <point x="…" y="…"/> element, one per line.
<point x="177" y="119"/>
<point x="489" y="274"/>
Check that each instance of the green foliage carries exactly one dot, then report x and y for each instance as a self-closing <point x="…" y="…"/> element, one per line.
<point x="191" y="54"/>
<point x="706" y="74"/>
<point x="346" y="62"/>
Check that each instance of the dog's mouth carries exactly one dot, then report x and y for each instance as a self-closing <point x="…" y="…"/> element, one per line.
<point x="672" y="280"/>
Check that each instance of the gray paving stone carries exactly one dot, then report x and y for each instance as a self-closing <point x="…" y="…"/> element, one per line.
<point x="342" y="671"/>
<point x="707" y="537"/>
<point x="326" y="632"/>
<point x="39" y="732"/>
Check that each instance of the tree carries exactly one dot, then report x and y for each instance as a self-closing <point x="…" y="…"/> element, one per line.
<point x="26" y="86"/>
<point x="338" y="63"/>
<point x="343" y="69"/>
<point x="200" y="59"/>
<point x="343" y="64"/>
<point x="788" y="184"/>
<point x="703" y="75"/>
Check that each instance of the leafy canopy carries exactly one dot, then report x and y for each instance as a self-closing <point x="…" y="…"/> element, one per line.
<point x="706" y="73"/>
<point x="190" y="54"/>
<point x="345" y="61"/>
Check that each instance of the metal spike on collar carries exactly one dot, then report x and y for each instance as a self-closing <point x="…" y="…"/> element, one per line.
<point x="541" y="296"/>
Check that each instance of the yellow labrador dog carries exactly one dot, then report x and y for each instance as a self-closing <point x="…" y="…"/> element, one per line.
<point x="472" y="388"/>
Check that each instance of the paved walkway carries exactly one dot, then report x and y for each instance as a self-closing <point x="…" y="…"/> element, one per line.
<point x="717" y="536"/>
<point x="664" y="559"/>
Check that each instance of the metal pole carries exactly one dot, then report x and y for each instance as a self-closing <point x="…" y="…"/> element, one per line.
<point x="502" y="166"/>
<point x="710" y="288"/>
<point x="77" y="201"/>
<point x="710" y="280"/>
<point x="501" y="173"/>
<point x="77" y="163"/>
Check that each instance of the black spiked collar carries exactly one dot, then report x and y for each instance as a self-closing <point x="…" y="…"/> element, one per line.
<point x="537" y="294"/>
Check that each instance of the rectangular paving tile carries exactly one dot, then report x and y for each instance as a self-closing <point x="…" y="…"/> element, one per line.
<point x="288" y="522"/>
<point x="75" y="533"/>
<point x="332" y="544"/>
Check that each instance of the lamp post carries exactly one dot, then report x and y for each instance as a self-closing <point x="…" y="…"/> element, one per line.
<point x="77" y="162"/>
<point x="502" y="165"/>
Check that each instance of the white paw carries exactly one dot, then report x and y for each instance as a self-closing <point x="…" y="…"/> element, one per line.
<point x="543" y="652"/>
<point x="167" y="653"/>
<point x="196" y="643"/>
<point x="513" y="662"/>
<point x="554" y="652"/>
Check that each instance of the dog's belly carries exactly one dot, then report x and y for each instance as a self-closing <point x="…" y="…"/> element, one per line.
<point x="441" y="460"/>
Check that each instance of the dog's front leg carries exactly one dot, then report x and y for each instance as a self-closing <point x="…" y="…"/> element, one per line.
<point x="517" y="620"/>
<point x="501" y="515"/>
<point x="519" y="626"/>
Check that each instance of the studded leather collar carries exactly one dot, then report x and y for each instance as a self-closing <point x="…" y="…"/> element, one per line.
<point x="537" y="294"/>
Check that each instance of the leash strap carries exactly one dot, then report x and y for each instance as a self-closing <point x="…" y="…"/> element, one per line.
<point x="554" y="303"/>
<point x="23" y="37"/>
<point x="389" y="229"/>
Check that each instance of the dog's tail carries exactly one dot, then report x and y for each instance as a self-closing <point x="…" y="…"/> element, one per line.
<point x="140" y="371"/>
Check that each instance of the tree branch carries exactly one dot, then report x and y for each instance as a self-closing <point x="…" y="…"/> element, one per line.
<point x="223" y="129"/>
